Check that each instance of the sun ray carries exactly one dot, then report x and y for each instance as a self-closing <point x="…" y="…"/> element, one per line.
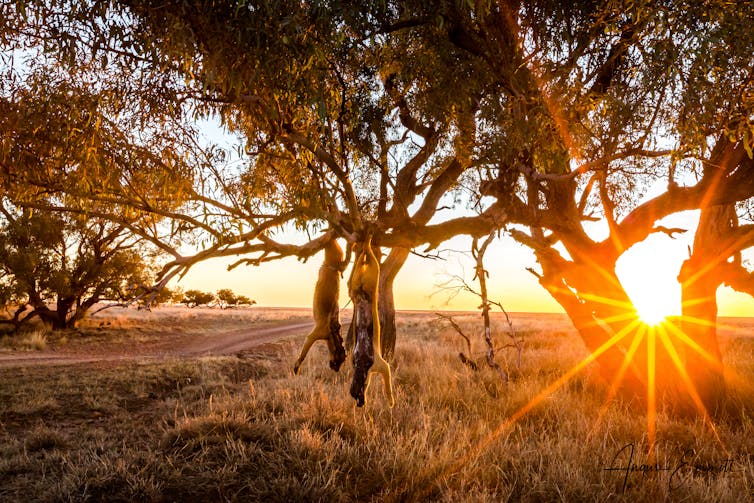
<point x="675" y="357"/>
<point x="692" y="343"/>
<point x="628" y="313"/>
<point x="719" y="325"/>
<point x="694" y="302"/>
<point x="730" y="373"/>
<point x="607" y="301"/>
<point x="564" y="378"/>
<point x="601" y="321"/>
<point x="597" y="298"/>
<point x="698" y="321"/>
<point x="434" y="472"/>
<point x="706" y="323"/>
<point x="651" y="392"/>
<point x="606" y="274"/>
<point x="615" y="384"/>
<point x="716" y="180"/>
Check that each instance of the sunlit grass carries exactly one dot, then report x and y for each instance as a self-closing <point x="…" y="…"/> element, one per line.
<point x="222" y="428"/>
<point x="34" y="340"/>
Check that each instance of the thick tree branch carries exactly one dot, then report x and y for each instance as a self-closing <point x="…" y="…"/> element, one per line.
<point x="738" y="278"/>
<point x="729" y="181"/>
<point x="439" y="188"/>
<point x="404" y="111"/>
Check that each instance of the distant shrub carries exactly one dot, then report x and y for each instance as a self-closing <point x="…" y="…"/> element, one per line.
<point x="194" y="298"/>
<point x="243" y="300"/>
<point x="226" y="298"/>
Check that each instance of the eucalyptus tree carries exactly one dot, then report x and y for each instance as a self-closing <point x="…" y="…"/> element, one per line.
<point x="367" y="119"/>
<point x="345" y="136"/>
<point x="69" y="262"/>
<point x="594" y="102"/>
<point x="85" y="136"/>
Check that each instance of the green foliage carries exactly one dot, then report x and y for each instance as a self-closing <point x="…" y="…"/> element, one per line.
<point x="68" y="261"/>
<point x="95" y="131"/>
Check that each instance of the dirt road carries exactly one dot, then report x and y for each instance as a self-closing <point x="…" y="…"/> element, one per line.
<point x="222" y="344"/>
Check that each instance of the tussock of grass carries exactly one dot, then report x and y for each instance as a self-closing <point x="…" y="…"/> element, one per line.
<point x="44" y="438"/>
<point x="196" y="433"/>
<point x="35" y="340"/>
<point x="228" y="429"/>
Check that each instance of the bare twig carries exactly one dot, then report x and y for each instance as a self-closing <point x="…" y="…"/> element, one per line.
<point x="669" y="231"/>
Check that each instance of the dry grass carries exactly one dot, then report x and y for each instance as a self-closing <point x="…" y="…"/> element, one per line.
<point x="170" y="315"/>
<point x="130" y="330"/>
<point x="35" y="340"/>
<point x="218" y="429"/>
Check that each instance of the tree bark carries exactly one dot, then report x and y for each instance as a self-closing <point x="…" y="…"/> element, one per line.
<point x="386" y="303"/>
<point x="388" y="271"/>
<point x="700" y="279"/>
<point x="58" y="319"/>
<point x="704" y="366"/>
<point x="597" y="323"/>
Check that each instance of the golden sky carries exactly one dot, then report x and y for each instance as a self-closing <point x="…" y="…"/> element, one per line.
<point x="648" y="272"/>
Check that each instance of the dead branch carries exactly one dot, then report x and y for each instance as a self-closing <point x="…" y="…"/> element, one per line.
<point x="456" y="284"/>
<point x="457" y="328"/>
<point x="481" y="276"/>
<point x="669" y="231"/>
<point x="118" y="304"/>
<point x="468" y="362"/>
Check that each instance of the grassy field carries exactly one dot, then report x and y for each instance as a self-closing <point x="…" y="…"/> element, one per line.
<point x="245" y="428"/>
<point x="135" y="332"/>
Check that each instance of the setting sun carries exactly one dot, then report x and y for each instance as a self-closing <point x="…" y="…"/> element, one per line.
<point x="649" y="273"/>
<point x="651" y="313"/>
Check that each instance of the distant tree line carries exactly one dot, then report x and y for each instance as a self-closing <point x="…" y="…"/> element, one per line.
<point x="225" y="299"/>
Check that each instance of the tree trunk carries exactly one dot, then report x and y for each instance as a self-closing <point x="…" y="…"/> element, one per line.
<point x="704" y="367"/>
<point x="57" y="319"/>
<point x="599" y="308"/>
<point x="53" y="320"/>
<point x="388" y="271"/>
<point x="64" y="307"/>
<point x="699" y="280"/>
<point x="386" y="303"/>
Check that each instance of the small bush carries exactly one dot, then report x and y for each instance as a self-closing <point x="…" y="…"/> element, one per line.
<point x="26" y="341"/>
